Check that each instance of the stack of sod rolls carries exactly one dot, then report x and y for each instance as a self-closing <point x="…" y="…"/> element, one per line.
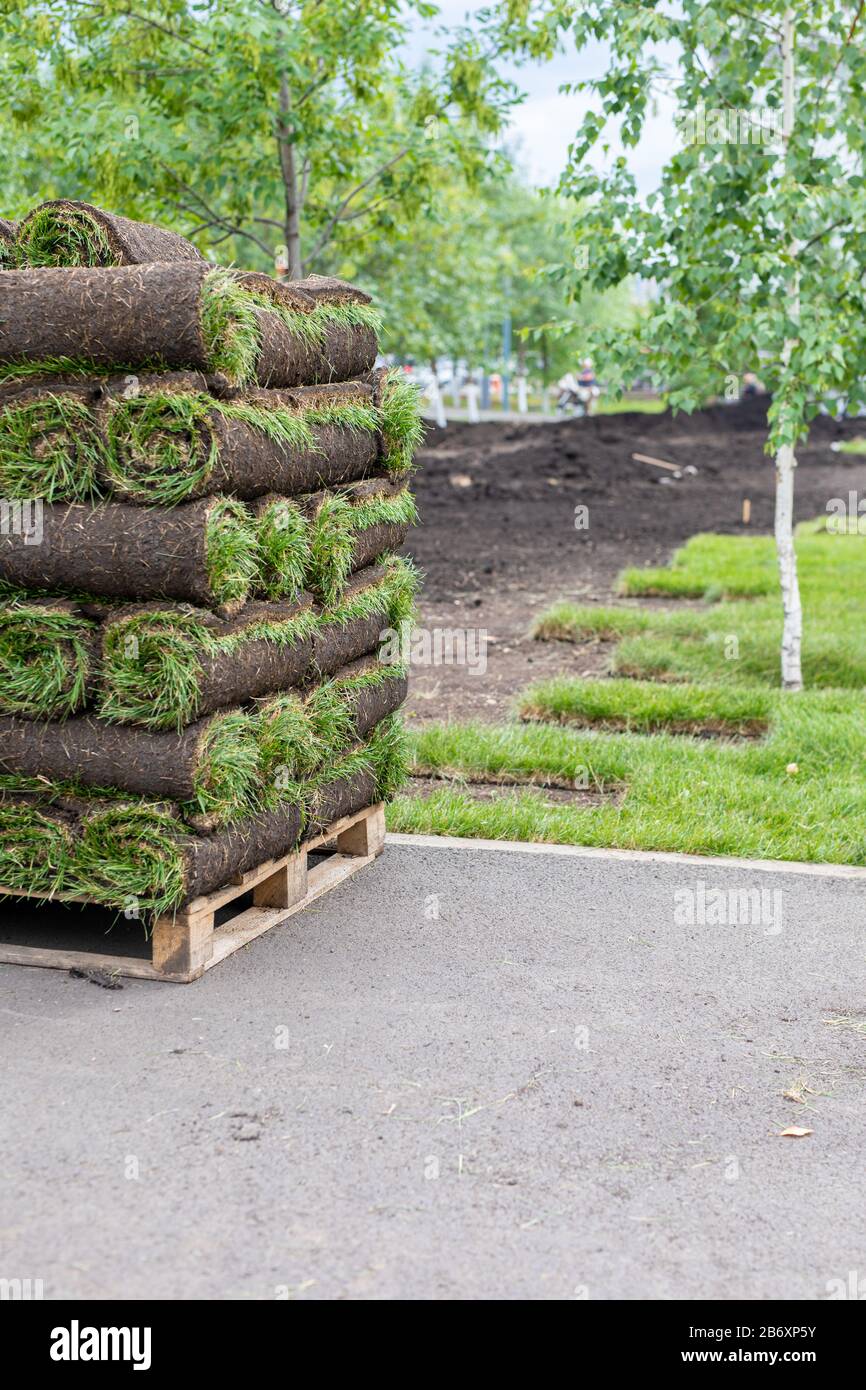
<point x="203" y="482"/>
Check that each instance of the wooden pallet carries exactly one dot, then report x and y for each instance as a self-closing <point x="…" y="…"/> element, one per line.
<point x="188" y="943"/>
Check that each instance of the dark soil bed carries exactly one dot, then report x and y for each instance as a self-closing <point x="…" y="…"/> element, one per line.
<point x="498" y="550"/>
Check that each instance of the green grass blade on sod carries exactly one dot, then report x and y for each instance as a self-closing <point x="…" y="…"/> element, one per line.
<point x="402" y="422"/>
<point x="230" y="328"/>
<point x="36" y="845"/>
<point x="290" y="747"/>
<point x="50" y="447"/>
<point x="131" y="856"/>
<point x="152" y="667"/>
<point x="47" y="658"/>
<point x="160" y="447"/>
<point x="284" y="547"/>
<point x="342" y="525"/>
<point x="58" y="236"/>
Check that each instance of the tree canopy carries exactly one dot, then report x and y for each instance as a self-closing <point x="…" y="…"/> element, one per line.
<point x="275" y="130"/>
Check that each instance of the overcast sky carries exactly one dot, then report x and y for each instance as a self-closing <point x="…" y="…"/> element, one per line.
<point x="544" y="124"/>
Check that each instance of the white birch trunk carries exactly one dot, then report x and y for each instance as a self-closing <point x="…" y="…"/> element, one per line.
<point x="792" y="628"/>
<point x="792" y="625"/>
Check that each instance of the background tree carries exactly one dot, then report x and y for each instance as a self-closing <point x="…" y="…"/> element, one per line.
<point x="447" y="280"/>
<point x="756" y="235"/>
<point x="271" y="129"/>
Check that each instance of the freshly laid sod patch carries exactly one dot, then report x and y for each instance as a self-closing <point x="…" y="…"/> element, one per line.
<point x="646" y="708"/>
<point x="681" y="794"/>
<point x="574" y="622"/>
<point x="707" y="567"/>
<point x="737" y="643"/>
<point x="795" y="791"/>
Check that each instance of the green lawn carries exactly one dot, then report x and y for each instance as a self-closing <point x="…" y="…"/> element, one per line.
<point x="640" y="405"/>
<point x="774" y="776"/>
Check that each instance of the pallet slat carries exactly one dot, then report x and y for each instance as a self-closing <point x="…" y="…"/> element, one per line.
<point x="188" y="943"/>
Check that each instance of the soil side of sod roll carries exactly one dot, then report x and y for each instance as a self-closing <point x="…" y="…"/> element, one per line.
<point x="98" y="754"/>
<point x="340" y="797"/>
<point x="371" y="701"/>
<point x="66" y="232"/>
<point x="121" y="551"/>
<point x="328" y="289"/>
<point x="247" y="462"/>
<point x="133" y="315"/>
<point x="285" y="359"/>
<point x="210" y="861"/>
<point x="141" y="315"/>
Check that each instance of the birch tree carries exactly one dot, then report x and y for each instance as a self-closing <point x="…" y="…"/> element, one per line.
<point x="756" y="234"/>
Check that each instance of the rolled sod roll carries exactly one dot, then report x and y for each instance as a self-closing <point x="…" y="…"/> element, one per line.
<point x="352" y="527"/>
<point x="163" y="667"/>
<point x="125" y="853"/>
<point x="65" y="232"/>
<point x="36" y="844"/>
<point x="51" y="439"/>
<point x="375" y="602"/>
<point x="339" y="796"/>
<point x="368" y="690"/>
<point x="212" y="766"/>
<point x="53" y="430"/>
<point x="180" y="315"/>
<point x="283" y="547"/>
<point x="49" y="654"/>
<point x="166" y="446"/>
<point x="298" y="734"/>
<point x="203" y="552"/>
<point x="289" y="745"/>
<point x="162" y="439"/>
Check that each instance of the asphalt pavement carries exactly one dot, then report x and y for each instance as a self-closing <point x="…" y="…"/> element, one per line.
<point x="469" y="1072"/>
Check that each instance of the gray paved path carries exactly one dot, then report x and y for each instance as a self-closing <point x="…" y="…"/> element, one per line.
<point x="463" y="1074"/>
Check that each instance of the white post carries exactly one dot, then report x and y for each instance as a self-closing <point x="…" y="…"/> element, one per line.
<point x="522" y="402"/>
<point x="472" y="402"/>
<point x="436" y="401"/>
<point x="792" y="627"/>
